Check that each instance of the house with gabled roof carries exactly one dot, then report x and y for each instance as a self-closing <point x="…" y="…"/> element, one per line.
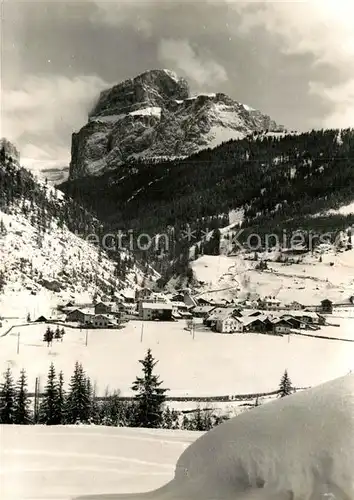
<point x="219" y="313"/>
<point x="156" y="311"/>
<point x="281" y="326"/>
<point x="228" y="323"/>
<point x="80" y="316"/>
<point x="257" y="324"/>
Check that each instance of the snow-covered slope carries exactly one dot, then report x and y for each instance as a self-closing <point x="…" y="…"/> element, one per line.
<point x="299" y="447"/>
<point x="43" y="263"/>
<point x="328" y="272"/>
<point x="154" y="116"/>
<point x="56" y="266"/>
<point x="58" y="463"/>
<point x="283" y="442"/>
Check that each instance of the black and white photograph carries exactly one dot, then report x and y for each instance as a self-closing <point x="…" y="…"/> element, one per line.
<point x="176" y="250"/>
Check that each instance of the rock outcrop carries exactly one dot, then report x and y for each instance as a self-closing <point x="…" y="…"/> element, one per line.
<point x="155" y="116"/>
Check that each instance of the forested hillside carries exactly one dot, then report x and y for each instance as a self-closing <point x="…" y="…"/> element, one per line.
<point x="275" y="178"/>
<point x="45" y="253"/>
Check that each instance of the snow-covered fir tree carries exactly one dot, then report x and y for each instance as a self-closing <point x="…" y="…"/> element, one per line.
<point x="78" y="402"/>
<point x="50" y="412"/>
<point x="285" y="387"/>
<point x="7" y="399"/>
<point x="150" y="396"/>
<point x="22" y="412"/>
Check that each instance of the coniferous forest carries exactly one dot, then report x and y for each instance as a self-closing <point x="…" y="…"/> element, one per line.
<point x="78" y="402"/>
<point x="273" y="178"/>
<point x="280" y="182"/>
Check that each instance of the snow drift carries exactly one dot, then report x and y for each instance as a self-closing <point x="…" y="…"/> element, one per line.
<point x="298" y="448"/>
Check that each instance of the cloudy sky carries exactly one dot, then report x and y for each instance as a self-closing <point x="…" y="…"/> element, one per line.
<point x="292" y="60"/>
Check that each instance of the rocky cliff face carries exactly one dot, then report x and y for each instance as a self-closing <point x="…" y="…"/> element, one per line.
<point x="154" y="115"/>
<point x="10" y="150"/>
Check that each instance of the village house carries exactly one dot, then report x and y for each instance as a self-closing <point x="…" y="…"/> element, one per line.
<point x="281" y="326"/>
<point x="41" y="319"/>
<point x="129" y="309"/>
<point x="80" y="316"/>
<point x="305" y="317"/>
<point x="250" y="304"/>
<point x="295" y="306"/>
<point x="177" y="298"/>
<point x="154" y="299"/>
<point x="227" y="323"/>
<point x="143" y="294"/>
<point x="103" y="321"/>
<point x="326" y="306"/>
<point x="218" y="313"/>
<point x="294" y="321"/>
<point x="202" y="311"/>
<point x="271" y="303"/>
<point x="105" y="308"/>
<point x="180" y="310"/>
<point x="257" y="324"/>
<point x="156" y="311"/>
<point x="128" y="296"/>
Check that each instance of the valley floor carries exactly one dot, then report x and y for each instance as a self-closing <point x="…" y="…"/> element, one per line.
<point x="211" y="364"/>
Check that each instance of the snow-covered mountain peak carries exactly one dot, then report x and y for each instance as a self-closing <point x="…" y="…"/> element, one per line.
<point x="155" y="115"/>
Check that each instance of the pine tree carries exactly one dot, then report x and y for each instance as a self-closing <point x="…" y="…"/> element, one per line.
<point x="48" y="336"/>
<point x="212" y="247"/>
<point x="175" y="419"/>
<point x="197" y="422"/>
<point x="285" y="387"/>
<point x="78" y="401"/>
<point x="150" y="397"/>
<point x="22" y="413"/>
<point x="61" y="397"/>
<point x="186" y="425"/>
<point x="57" y="334"/>
<point x="167" y="418"/>
<point x="50" y="412"/>
<point x="7" y="399"/>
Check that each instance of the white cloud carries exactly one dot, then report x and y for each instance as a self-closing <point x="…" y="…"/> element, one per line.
<point x="342" y="99"/>
<point x="322" y="28"/>
<point x="183" y="57"/>
<point x="47" y="109"/>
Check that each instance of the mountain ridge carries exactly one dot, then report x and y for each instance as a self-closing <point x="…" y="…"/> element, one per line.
<point x="155" y="115"/>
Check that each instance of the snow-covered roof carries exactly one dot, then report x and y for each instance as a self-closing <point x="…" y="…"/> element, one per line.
<point x="300" y="314"/>
<point x="179" y="304"/>
<point x="157" y="305"/>
<point x="221" y="313"/>
<point x="249" y="321"/>
<point x="83" y="311"/>
<point x="203" y="309"/>
<point x="280" y="320"/>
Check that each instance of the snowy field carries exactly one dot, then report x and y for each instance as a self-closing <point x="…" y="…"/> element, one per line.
<point x="211" y="364"/>
<point x="308" y="282"/>
<point x="58" y="463"/>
